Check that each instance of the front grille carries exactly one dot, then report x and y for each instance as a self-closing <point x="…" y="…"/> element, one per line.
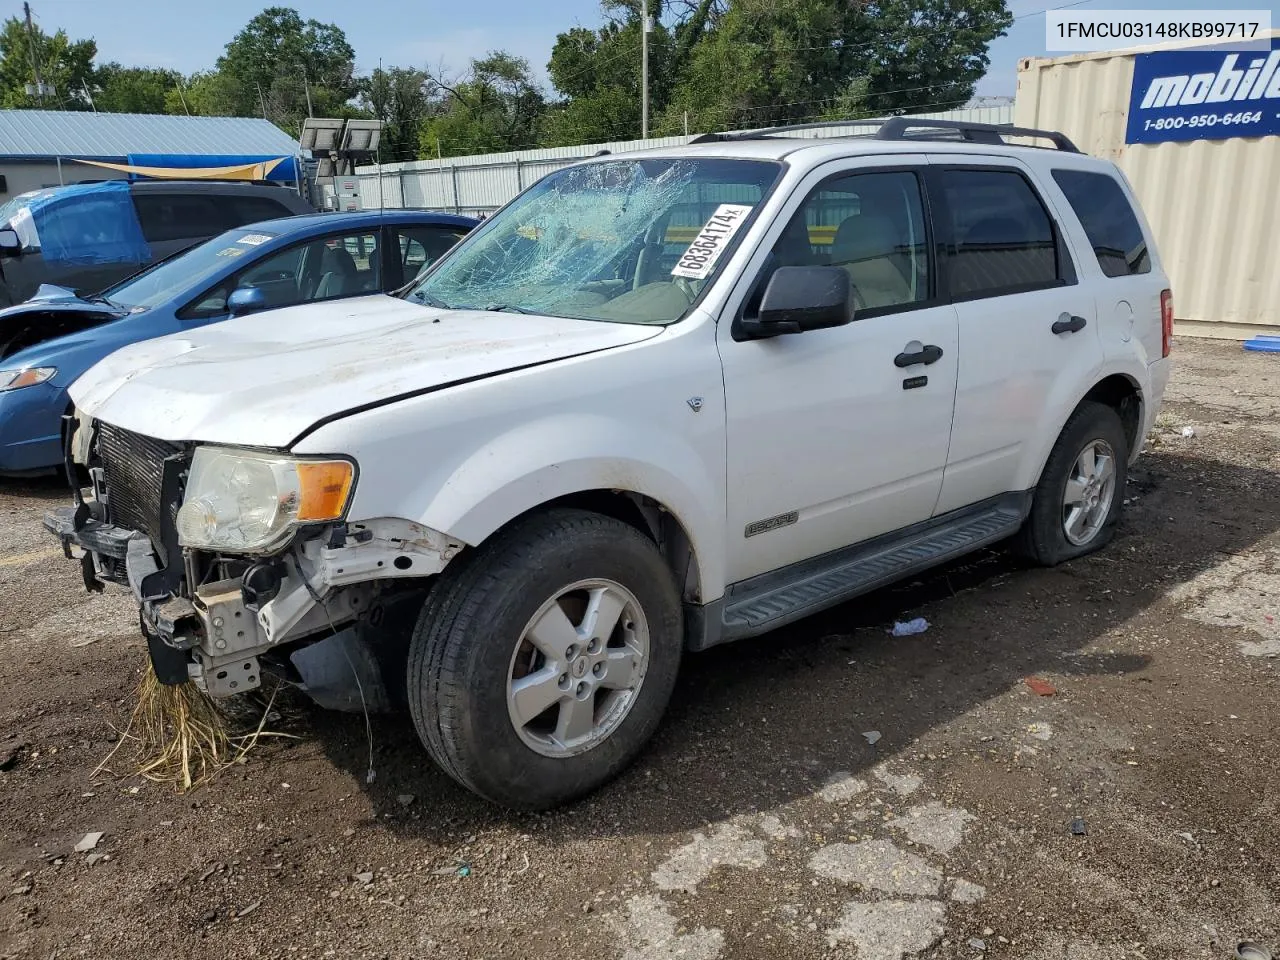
<point x="133" y="466"/>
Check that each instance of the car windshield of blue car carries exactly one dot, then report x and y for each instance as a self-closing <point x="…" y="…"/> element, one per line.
<point x="626" y="241"/>
<point x="186" y="272"/>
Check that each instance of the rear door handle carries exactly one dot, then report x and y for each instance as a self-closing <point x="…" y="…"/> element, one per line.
<point x="927" y="354"/>
<point x="1068" y="324"/>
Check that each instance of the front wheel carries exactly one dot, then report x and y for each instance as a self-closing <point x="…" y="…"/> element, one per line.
<point x="1078" y="499"/>
<point x="544" y="661"/>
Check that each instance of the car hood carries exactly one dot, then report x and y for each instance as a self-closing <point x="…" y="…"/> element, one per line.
<point x="264" y="379"/>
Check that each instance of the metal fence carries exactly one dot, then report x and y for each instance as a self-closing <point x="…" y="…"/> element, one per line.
<point x="479" y="184"/>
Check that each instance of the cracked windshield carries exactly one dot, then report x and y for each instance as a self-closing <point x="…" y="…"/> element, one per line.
<point x="622" y="241"/>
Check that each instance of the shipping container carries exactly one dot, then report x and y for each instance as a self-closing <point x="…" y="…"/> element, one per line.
<point x="1212" y="196"/>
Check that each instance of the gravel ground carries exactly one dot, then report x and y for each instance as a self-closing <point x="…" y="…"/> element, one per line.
<point x="826" y="791"/>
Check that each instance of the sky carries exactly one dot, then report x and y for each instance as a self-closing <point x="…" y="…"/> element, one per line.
<point x="445" y="33"/>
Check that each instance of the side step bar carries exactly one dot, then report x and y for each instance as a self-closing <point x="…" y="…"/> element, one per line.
<point x="775" y="599"/>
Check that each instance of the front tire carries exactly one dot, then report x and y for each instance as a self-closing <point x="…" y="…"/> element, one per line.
<point x="543" y="661"/>
<point x="1078" y="499"/>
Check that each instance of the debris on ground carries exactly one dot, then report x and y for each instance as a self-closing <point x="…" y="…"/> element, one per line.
<point x="1040" y="687"/>
<point x="88" y="842"/>
<point x="872" y="737"/>
<point x="249" y="909"/>
<point x="1078" y="828"/>
<point x="1188" y="432"/>
<point x="1248" y="950"/>
<point x="910" y="628"/>
<point x="365" y="878"/>
<point x="977" y="944"/>
<point x="405" y="799"/>
<point x="1041" y="731"/>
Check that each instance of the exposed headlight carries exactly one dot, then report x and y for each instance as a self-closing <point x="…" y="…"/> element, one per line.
<point x="244" y="501"/>
<point x="26" y="377"/>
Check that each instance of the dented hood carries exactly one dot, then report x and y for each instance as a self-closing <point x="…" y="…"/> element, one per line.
<point x="263" y="379"/>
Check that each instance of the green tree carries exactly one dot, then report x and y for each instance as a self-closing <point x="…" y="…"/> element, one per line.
<point x="207" y="94"/>
<point x="497" y="106"/>
<point x="598" y="72"/>
<point x="278" y="59"/>
<point x="120" y="89"/>
<point x="66" y="64"/>
<point x="402" y="99"/>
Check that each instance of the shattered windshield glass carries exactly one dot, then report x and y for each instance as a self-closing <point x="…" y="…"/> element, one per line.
<point x="627" y="241"/>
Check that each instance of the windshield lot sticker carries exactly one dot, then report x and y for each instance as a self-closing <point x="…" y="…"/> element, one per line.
<point x="700" y="258"/>
<point x="253" y="239"/>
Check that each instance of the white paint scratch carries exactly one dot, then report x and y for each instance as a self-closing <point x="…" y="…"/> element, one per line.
<point x="890" y="929"/>
<point x="649" y="933"/>
<point x="934" y="825"/>
<point x="729" y="845"/>
<point x="877" y="865"/>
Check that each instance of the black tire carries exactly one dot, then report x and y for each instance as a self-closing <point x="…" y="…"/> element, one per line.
<point x="1042" y="538"/>
<point x="462" y="648"/>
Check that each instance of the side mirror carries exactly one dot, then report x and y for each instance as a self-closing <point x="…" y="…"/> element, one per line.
<point x="802" y="298"/>
<point x="245" y="300"/>
<point x="10" y="245"/>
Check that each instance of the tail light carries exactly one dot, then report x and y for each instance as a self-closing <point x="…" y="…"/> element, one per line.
<point x="1166" y="321"/>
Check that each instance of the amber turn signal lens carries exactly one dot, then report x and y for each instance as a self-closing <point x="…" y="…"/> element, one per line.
<point x="324" y="486"/>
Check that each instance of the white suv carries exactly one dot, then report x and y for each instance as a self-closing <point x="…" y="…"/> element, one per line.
<point x="658" y="402"/>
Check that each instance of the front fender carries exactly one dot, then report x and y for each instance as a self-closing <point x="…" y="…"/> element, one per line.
<point x="539" y="462"/>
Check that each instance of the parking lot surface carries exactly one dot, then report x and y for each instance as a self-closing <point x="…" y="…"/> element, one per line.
<point x="1068" y="764"/>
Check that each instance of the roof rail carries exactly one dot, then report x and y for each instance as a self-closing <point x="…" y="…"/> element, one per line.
<point x="787" y="128"/>
<point x="898" y="128"/>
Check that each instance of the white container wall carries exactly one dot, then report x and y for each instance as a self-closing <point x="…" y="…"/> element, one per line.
<point x="1213" y="204"/>
<point x="479" y="184"/>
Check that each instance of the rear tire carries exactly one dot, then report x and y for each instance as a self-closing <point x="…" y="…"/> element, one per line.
<point x="1078" y="500"/>
<point x="518" y="608"/>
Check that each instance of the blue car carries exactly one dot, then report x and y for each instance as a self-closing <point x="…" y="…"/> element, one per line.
<point x="49" y="341"/>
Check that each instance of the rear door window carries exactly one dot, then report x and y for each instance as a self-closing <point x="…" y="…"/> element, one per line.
<point x="1108" y="220"/>
<point x="1003" y="239"/>
<point x="178" y="216"/>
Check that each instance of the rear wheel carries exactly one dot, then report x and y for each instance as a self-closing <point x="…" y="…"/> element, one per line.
<point x="543" y="662"/>
<point x="1078" y="499"/>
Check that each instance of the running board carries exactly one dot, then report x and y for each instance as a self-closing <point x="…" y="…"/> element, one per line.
<point x="774" y="599"/>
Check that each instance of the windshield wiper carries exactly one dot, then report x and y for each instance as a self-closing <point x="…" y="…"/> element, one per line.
<point x="427" y="300"/>
<point x="504" y="308"/>
<point x="98" y="298"/>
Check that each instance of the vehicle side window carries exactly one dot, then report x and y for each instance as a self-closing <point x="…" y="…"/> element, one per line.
<point x="242" y="210"/>
<point x="422" y="246"/>
<point x="177" y="216"/>
<point x="869" y="224"/>
<point x="1003" y="239"/>
<point x="340" y="265"/>
<point x="1108" y="220"/>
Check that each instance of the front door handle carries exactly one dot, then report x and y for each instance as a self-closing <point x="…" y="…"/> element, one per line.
<point x="1068" y="324"/>
<point x="927" y="354"/>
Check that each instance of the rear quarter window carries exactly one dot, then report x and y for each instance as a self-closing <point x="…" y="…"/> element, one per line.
<point x="242" y="210"/>
<point x="177" y="216"/>
<point x="1108" y="220"/>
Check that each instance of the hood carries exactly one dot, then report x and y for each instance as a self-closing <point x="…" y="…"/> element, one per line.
<point x="58" y="313"/>
<point x="263" y="379"/>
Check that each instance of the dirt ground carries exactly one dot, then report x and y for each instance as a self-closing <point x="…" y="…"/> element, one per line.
<point x="763" y="822"/>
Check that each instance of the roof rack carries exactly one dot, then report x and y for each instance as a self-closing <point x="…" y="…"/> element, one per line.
<point x="901" y="128"/>
<point x="898" y="128"/>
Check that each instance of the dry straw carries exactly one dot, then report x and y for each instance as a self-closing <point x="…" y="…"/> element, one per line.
<point x="181" y="737"/>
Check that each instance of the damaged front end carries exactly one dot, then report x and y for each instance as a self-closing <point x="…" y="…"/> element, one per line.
<point x="234" y="575"/>
<point x="46" y="317"/>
